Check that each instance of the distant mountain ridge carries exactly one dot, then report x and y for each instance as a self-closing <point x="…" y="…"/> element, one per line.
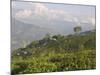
<point x="23" y="33"/>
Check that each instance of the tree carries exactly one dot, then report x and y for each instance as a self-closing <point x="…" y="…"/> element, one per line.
<point x="77" y="29"/>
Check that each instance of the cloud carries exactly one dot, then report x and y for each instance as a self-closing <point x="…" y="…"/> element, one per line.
<point x="40" y="11"/>
<point x="58" y="14"/>
<point x="26" y="13"/>
<point x="49" y="13"/>
<point x="88" y="19"/>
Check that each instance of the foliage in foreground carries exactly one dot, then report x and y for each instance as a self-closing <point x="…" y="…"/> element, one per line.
<point x="56" y="53"/>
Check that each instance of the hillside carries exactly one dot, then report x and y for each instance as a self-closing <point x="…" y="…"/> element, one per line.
<point x="23" y="33"/>
<point x="56" y="53"/>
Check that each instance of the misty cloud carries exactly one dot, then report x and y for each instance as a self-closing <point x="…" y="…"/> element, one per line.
<point x="43" y="12"/>
<point x="23" y="14"/>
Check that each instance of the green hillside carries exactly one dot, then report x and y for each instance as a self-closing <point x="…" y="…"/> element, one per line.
<point x="56" y="53"/>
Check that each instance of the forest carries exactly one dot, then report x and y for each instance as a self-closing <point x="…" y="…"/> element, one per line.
<point x="55" y="53"/>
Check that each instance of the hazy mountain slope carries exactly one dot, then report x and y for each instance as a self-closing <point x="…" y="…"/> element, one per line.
<point x="23" y="33"/>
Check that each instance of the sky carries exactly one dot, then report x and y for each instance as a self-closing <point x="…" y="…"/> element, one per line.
<point x="51" y="12"/>
<point x="51" y="18"/>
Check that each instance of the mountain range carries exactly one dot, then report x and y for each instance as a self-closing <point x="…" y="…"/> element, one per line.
<point x="22" y="33"/>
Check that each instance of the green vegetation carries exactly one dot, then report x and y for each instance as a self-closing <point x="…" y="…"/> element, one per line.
<point x="56" y="53"/>
<point x="77" y="29"/>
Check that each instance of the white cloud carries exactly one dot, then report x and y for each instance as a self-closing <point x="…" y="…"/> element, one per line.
<point x="60" y="14"/>
<point x="77" y="21"/>
<point x="88" y="19"/>
<point x="23" y="14"/>
<point x="85" y="21"/>
<point x="42" y="12"/>
<point x="50" y="14"/>
<point x="40" y="9"/>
